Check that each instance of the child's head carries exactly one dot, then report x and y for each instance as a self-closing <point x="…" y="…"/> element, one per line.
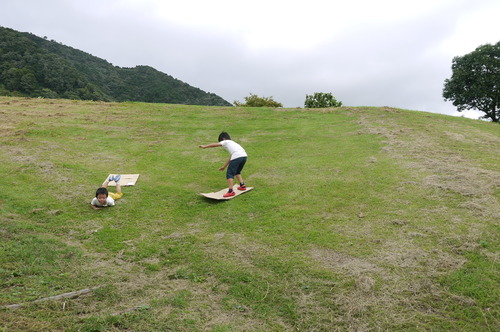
<point x="224" y="136"/>
<point x="101" y="194"/>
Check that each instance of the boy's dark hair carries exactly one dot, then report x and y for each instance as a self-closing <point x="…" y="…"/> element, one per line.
<point x="224" y="135"/>
<point x="101" y="190"/>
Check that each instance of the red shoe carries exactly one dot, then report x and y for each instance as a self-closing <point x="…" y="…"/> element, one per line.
<point x="229" y="194"/>
<point x="243" y="187"/>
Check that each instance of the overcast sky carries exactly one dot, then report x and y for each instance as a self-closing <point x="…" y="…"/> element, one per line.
<point x="367" y="53"/>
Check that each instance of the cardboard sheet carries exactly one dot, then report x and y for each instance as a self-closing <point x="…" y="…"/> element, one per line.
<point x="218" y="195"/>
<point x="126" y="180"/>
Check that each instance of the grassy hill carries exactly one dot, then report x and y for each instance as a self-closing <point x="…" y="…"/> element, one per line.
<point x="31" y="66"/>
<point x="361" y="219"/>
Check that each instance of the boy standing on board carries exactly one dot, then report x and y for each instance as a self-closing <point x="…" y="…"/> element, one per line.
<point x="103" y="198"/>
<point x="236" y="161"/>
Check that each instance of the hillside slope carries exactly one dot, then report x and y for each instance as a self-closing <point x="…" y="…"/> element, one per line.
<point x="361" y="219"/>
<point x="33" y="66"/>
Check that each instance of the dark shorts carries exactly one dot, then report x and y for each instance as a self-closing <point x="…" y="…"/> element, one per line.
<point x="235" y="167"/>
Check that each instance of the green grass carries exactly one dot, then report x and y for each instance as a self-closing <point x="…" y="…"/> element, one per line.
<point x="361" y="218"/>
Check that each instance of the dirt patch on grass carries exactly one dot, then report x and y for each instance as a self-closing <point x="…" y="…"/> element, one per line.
<point x="30" y="160"/>
<point x="442" y="163"/>
<point x="441" y="166"/>
<point x="334" y="260"/>
<point x="400" y="282"/>
<point x="399" y="276"/>
<point x="370" y="286"/>
<point x="172" y="293"/>
<point x="167" y="295"/>
<point x="235" y="249"/>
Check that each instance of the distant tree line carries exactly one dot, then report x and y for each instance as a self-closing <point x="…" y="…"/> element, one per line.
<point x="317" y="100"/>
<point x="35" y="67"/>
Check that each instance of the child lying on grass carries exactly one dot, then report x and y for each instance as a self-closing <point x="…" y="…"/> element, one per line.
<point x="103" y="198"/>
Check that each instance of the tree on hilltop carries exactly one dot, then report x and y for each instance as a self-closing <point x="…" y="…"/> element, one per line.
<point x="475" y="81"/>
<point x="321" y="100"/>
<point x="256" y="101"/>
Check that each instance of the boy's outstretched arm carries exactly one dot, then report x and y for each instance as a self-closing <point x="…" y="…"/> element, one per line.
<point x="225" y="165"/>
<point x="213" y="145"/>
<point x="95" y="207"/>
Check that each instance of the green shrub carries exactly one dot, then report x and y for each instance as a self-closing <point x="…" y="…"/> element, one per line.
<point x="256" y="101"/>
<point x="321" y="100"/>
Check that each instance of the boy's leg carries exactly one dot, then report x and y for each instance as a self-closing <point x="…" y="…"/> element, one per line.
<point x="242" y="186"/>
<point x="108" y="180"/>
<point x="238" y="174"/>
<point x="119" y="193"/>
<point x="230" y="175"/>
<point x="234" y="169"/>
<point x="230" y="192"/>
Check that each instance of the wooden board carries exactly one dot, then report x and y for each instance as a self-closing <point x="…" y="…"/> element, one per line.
<point x="125" y="180"/>
<point x="218" y="195"/>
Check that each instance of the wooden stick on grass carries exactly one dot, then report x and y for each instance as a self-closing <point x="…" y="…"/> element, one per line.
<point x="69" y="295"/>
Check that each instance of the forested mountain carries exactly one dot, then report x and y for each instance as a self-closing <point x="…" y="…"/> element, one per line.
<point x="36" y="67"/>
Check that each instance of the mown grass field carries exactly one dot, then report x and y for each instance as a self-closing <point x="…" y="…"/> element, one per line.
<point x="362" y="219"/>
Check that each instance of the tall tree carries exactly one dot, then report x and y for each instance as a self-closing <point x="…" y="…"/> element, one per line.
<point x="475" y="81"/>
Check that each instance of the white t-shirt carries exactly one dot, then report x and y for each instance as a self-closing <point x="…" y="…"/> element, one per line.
<point x="234" y="149"/>
<point x="109" y="202"/>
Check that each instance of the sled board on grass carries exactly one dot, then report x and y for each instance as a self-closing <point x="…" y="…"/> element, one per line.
<point x="125" y="180"/>
<point x="219" y="195"/>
